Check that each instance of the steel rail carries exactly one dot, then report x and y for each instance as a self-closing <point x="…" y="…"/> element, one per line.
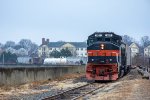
<point x="75" y="93"/>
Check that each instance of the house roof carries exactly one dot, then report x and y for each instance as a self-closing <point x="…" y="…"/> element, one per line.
<point x="55" y="44"/>
<point x="59" y="44"/>
<point x="79" y="44"/>
<point x="133" y="43"/>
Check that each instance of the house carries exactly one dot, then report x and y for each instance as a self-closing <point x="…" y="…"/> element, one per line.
<point x="78" y="49"/>
<point x="147" y="51"/>
<point x="24" y="60"/>
<point x="134" y="49"/>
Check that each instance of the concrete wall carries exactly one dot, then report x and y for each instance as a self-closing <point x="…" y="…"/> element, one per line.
<point x="16" y="75"/>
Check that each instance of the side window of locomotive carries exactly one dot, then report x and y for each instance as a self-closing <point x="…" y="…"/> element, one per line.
<point x="114" y="40"/>
<point x="88" y="42"/>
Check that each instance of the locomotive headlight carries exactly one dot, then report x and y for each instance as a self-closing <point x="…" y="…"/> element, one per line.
<point x="102" y="46"/>
<point x="98" y="35"/>
<point x="108" y="35"/>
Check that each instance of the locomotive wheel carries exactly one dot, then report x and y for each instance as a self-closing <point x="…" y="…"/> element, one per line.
<point x="121" y="72"/>
<point x="125" y="70"/>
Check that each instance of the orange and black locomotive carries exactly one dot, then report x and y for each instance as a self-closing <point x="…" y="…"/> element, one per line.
<point x="108" y="57"/>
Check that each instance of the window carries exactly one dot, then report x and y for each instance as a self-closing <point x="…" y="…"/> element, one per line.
<point x="50" y="48"/>
<point x="43" y="53"/>
<point x="107" y="39"/>
<point x="81" y="48"/>
<point x="53" y="48"/>
<point x="56" y="48"/>
<point x="99" y="39"/>
<point x="44" y="49"/>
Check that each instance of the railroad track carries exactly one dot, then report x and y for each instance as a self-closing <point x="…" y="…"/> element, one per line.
<point x="76" y="93"/>
<point x="81" y="91"/>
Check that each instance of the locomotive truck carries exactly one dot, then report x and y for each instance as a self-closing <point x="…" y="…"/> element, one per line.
<point x="108" y="57"/>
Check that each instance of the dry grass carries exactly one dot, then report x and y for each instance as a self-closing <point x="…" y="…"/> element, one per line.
<point x="38" y="83"/>
<point x="130" y="87"/>
<point x="138" y="89"/>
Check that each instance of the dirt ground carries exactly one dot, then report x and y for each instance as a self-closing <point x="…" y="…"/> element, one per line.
<point x="39" y="90"/>
<point x="130" y="87"/>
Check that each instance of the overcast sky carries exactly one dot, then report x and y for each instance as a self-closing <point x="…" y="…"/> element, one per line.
<point x="72" y="20"/>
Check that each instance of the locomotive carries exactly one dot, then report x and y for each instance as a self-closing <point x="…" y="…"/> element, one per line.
<point x="108" y="57"/>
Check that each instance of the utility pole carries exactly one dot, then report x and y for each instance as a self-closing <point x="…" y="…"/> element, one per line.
<point x="3" y="59"/>
<point x="149" y="65"/>
<point x="144" y="60"/>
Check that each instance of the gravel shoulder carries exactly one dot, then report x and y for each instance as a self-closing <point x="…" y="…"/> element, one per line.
<point x="130" y="87"/>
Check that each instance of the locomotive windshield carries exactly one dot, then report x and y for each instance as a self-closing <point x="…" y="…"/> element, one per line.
<point x="107" y="39"/>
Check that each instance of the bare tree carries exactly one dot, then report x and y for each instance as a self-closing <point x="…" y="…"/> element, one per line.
<point x="17" y="47"/>
<point x="9" y="44"/>
<point x="25" y="43"/>
<point x="138" y="60"/>
<point x="127" y="39"/>
<point x="1" y="45"/>
<point x="11" y="50"/>
<point x="29" y="46"/>
<point x="33" y="49"/>
<point x="145" y="40"/>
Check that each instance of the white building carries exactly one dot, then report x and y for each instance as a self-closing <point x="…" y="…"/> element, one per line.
<point x="147" y="51"/>
<point x="77" y="49"/>
<point x="134" y="49"/>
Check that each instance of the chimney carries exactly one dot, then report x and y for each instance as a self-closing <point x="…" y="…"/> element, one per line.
<point x="47" y="41"/>
<point x="43" y="41"/>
